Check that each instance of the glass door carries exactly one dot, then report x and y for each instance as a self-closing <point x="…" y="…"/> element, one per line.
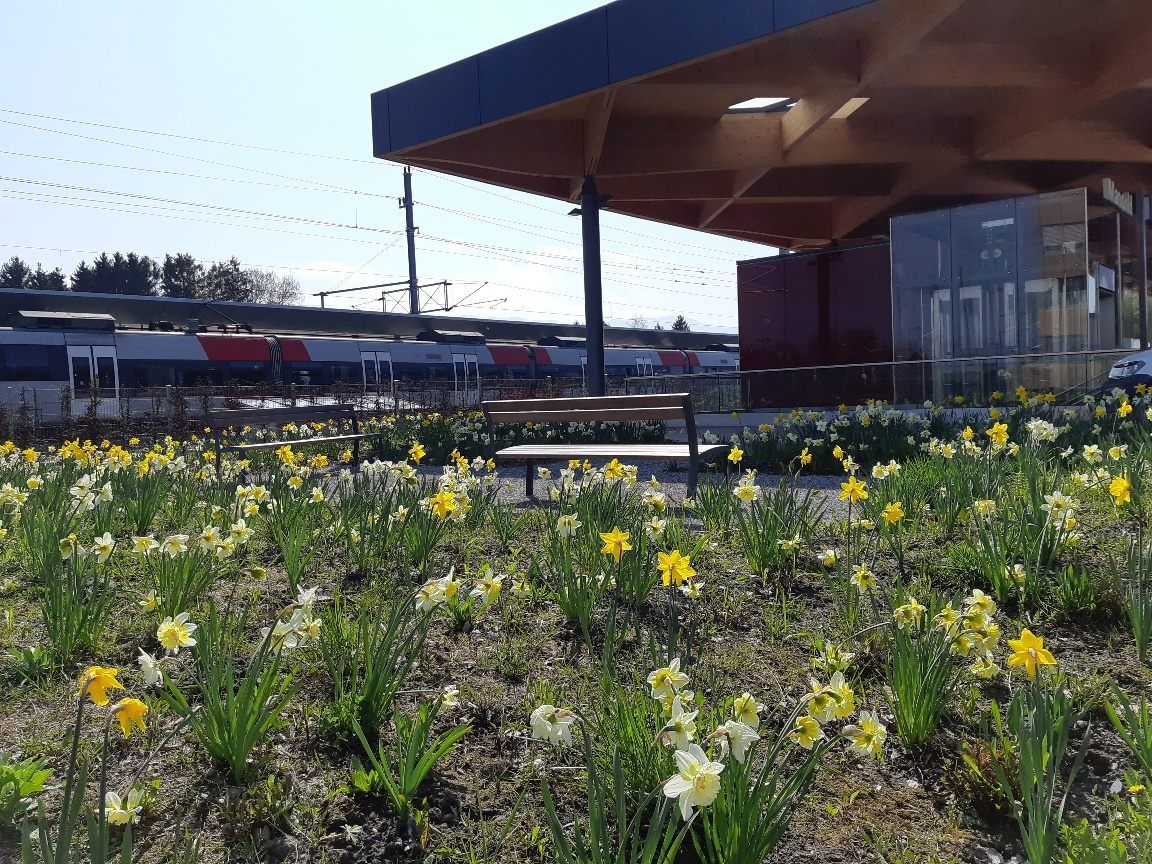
<point x="107" y="379"/>
<point x="80" y="371"/>
<point x="371" y="379"/>
<point x="92" y="372"/>
<point x="472" y="373"/>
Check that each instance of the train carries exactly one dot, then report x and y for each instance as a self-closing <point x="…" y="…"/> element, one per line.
<point x="88" y="351"/>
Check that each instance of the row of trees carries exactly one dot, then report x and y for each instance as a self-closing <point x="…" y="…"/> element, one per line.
<point x="641" y="323"/>
<point x="179" y="276"/>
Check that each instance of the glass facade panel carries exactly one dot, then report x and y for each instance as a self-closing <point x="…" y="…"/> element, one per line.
<point x="993" y="279"/>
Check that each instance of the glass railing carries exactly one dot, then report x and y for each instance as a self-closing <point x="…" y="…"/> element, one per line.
<point x="906" y="383"/>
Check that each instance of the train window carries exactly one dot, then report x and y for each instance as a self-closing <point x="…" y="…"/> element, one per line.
<point x="246" y="373"/>
<point x="26" y="363"/>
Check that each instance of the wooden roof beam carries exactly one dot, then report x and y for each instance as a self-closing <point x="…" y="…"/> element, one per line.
<point x="1122" y="68"/>
<point x="899" y="33"/>
<point x="596" y="117"/>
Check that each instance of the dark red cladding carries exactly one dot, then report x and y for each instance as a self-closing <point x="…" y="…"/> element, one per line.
<point x="673" y="359"/>
<point x="825" y="308"/>
<point x="828" y="308"/>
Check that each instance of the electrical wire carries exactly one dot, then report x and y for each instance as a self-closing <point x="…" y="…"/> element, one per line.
<point x="376" y="162"/>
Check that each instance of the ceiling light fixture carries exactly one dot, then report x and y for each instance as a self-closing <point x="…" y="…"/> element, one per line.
<point x="762" y="103"/>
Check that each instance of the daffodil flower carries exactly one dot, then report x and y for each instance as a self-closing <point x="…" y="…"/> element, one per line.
<point x="697" y="782"/>
<point x="175" y="633"/>
<point x="96" y="681"/>
<point x="615" y="542"/>
<point x="552" y="724"/>
<point x="667" y="680"/>
<point x="867" y="736"/>
<point x="130" y="713"/>
<point x="806" y="732"/>
<point x="680" y="729"/>
<point x="735" y="737"/>
<point x="1029" y="651"/>
<point x="121" y="811"/>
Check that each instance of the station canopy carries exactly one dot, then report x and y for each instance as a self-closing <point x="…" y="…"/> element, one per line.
<point x="794" y="122"/>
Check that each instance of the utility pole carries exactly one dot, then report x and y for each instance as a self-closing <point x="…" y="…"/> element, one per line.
<point x="410" y="231"/>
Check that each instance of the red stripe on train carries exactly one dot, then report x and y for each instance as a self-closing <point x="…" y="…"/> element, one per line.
<point x="671" y="358"/>
<point x="233" y="349"/>
<point x="509" y="355"/>
<point x="294" y="351"/>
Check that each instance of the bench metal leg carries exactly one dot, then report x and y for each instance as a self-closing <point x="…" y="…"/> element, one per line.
<point x="529" y="476"/>
<point x="693" y="468"/>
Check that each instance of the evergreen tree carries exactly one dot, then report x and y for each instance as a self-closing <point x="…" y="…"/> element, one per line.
<point x="225" y="281"/>
<point x="83" y="277"/>
<point x="43" y="280"/>
<point x="103" y="275"/>
<point x="15" y="274"/>
<point x="681" y="324"/>
<point x="135" y="274"/>
<point x="181" y="276"/>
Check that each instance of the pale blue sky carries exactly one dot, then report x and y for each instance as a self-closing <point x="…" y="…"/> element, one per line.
<point x="297" y="76"/>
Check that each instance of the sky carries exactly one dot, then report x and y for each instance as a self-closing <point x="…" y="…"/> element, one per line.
<point x="243" y="129"/>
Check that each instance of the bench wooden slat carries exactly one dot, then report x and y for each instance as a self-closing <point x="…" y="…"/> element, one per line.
<point x="603" y="451"/>
<point x="267" y="445"/>
<point x="584" y="415"/>
<point x="266" y="416"/>
<point x="578" y="403"/>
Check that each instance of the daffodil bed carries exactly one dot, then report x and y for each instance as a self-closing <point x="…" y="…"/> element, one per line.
<point x="942" y="660"/>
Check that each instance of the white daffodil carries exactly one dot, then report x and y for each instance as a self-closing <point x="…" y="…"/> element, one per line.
<point x="150" y="669"/>
<point x="667" y="680"/>
<point x="697" y="782"/>
<point x="552" y="724"/>
<point x="735" y="737"/>
<point x="118" y="811"/>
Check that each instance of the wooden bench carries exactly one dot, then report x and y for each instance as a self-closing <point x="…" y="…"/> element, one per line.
<point x="583" y="409"/>
<point x="236" y="418"/>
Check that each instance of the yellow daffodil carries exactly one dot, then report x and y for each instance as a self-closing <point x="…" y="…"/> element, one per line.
<point x="863" y="578"/>
<point x="806" y="732"/>
<point x="1029" y="651"/>
<point x="615" y="542"/>
<point x="417" y="452"/>
<point x="96" y="681"/>
<point x="614" y="470"/>
<point x="747" y="710"/>
<point x="667" y="680"/>
<point x="675" y="569"/>
<point x="867" y="736"/>
<point x="853" y="491"/>
<point x="998" y="433"/>
<point x="805" y="457"/>
<point x="1124" y="410"/>
<point x="735" y="454"/>
<point x="893" y="512"/>
<point x="130" y="713"/>
<point x="1120" y="490"/>
<point x="443" y="503"/>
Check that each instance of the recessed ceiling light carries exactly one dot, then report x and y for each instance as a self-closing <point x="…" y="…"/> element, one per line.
<point x="849" y="107"/>
<point x="763" y="103"/>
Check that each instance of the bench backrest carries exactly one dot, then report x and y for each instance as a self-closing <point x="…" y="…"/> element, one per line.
<point x="584" y="409"/>
<point x="255" y="417"/>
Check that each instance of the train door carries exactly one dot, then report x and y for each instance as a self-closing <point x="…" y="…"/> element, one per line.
<point x="92" y="372"/>
<point x="643" y="366"/>
<point x="466" y="376"/>
<point x="377" y="368"/>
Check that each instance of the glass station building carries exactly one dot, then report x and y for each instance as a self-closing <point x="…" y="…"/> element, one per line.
<point x="1040" y="291"/>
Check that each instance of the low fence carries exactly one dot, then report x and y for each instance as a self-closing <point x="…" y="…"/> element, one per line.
<point x="27" y="410"/>
<point x="907" y="383"/>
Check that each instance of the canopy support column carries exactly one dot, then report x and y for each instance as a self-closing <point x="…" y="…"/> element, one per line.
<point x="593" y="287"/>
<point x="1142" y="267"/>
